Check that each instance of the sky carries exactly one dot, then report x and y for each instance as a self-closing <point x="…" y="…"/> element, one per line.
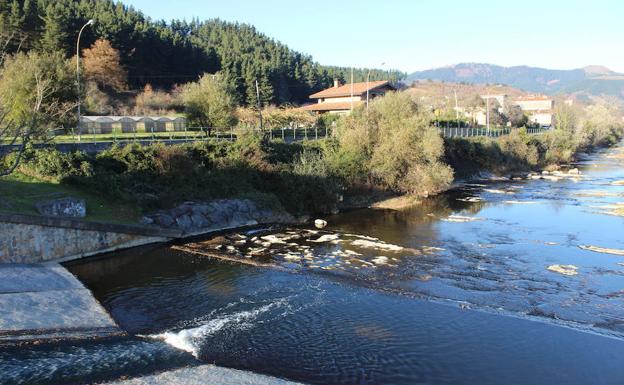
<point x="423" y="34"/>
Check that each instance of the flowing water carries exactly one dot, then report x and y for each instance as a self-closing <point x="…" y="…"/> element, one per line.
<point x="497" y="282"/>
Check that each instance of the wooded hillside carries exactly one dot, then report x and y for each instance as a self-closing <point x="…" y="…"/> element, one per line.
<point x="163" y="54"/>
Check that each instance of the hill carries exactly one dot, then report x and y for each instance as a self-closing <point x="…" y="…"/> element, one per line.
<point x="167" y="53"/>
<point x="591" y="80"/>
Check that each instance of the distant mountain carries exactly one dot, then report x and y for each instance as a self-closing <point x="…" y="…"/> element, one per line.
<point x="591" y="80"/>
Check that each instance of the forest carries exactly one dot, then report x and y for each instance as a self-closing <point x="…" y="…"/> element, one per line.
<point x="164" y="54"/>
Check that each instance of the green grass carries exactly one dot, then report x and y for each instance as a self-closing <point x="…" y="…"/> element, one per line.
<point x="19" y="193"/>
<point x="129" y="136"/>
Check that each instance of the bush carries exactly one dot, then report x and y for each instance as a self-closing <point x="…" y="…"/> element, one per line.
<point x="159" y="176"/>
<point x="56" y="165"/>
<point x="392" y="145"/>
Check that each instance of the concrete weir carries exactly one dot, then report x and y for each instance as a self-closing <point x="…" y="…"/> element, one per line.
<point x="205" y="374"/>
<point x="39" y="299"/>
<point x="45" y="301"/>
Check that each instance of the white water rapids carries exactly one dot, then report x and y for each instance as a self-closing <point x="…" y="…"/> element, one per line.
<point x="190" y="340"/>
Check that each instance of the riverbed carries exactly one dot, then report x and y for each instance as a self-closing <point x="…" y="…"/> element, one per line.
<point x="498" y="281"/>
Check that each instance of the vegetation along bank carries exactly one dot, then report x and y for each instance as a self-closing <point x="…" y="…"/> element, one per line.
<point x="391" y="149"/>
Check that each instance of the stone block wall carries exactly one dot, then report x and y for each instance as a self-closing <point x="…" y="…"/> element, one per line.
<point x="30" y="239"/>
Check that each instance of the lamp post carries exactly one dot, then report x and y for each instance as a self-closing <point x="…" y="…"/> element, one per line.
<point x="90" y="22"/>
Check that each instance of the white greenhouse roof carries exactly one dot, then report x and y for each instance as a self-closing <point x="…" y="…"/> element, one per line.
<point x="113" y="118"/>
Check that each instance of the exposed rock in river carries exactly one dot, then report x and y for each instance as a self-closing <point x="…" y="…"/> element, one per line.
<point x="319" y="223"/>
<point x="563" y="269"/>
<point x="195" y="218"/>
<point x="604" y="250"/>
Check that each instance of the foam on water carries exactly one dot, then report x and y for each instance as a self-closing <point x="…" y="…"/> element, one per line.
<point x="376" y="245"/>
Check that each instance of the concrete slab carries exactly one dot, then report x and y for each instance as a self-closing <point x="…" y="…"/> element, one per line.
<point x="42" y="301"/>
<point x="19" y="278"/>
<point x="206" y="374"/>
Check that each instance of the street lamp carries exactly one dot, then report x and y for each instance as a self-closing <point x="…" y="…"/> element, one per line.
<point x="90" y="22"/>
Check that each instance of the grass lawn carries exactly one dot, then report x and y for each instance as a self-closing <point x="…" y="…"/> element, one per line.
<point x="129" y="136"/>
<point x="19" y="193"/>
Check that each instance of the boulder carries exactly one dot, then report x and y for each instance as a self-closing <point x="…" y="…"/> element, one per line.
<point x="62" y="207"/>
<point x="163" y="220"/>
<point x="184" y="209"/>
<point x="218" y="216"/>
<point x="184" y="222"/>
<point x="198" y="220"/>
<point x="319" y="223"/>
<point x="222" y="213"/>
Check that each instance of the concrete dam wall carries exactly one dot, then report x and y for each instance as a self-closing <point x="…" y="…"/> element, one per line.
<point x="30" y="239"/>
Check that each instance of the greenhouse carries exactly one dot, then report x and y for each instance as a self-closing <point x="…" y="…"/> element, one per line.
<point x="130" y="124"/>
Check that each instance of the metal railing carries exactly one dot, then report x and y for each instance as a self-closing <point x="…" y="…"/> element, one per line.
<point x="468" y="132"/>
<point x="286" y="134"/>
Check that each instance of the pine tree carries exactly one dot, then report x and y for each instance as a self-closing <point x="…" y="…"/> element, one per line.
<point x="54" y="35"/>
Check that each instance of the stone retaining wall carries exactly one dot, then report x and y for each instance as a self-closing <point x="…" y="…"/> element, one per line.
<point x="29" y="239"/>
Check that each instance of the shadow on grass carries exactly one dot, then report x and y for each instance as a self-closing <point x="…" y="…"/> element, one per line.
<point x="19" y="194"/>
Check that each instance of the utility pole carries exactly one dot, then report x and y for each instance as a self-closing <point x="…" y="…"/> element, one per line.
<point x="456" y="108"/>
<point x="367" y="93"/>
<point x="259" y="108"/>
<point x="487" y="114"/>
<point x="351" y="88"/>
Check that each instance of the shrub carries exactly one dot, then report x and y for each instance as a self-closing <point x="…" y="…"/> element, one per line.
<point x="53" y="164"/>
<point x="392" y="145"/>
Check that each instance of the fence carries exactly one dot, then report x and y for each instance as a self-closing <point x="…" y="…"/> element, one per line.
<point x="287" y="134"/>
<point x="467" y="132"/>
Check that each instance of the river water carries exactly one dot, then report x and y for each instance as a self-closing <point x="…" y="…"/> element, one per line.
<point x="496" y="282"/>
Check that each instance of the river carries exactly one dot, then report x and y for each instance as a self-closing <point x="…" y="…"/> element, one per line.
<point x="495" y="282"/>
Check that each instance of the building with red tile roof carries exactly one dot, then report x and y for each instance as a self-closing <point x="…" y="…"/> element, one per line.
<point x="340" y="99"/>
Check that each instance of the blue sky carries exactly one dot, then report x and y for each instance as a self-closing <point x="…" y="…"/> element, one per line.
<point x="421" y="34"/>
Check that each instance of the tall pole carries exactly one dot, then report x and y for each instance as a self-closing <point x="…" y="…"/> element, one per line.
<point x="259" y="108"/>
<point x="367" y="86"/>
<point x="351" y="88"/>
<point x="456" y="108"/>
<point x="487" y="114"/>
<point x="90" y="22"/>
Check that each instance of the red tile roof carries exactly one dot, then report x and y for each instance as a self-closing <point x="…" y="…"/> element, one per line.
<point x="329" y="106"/>
<point x="345" y="89"/>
